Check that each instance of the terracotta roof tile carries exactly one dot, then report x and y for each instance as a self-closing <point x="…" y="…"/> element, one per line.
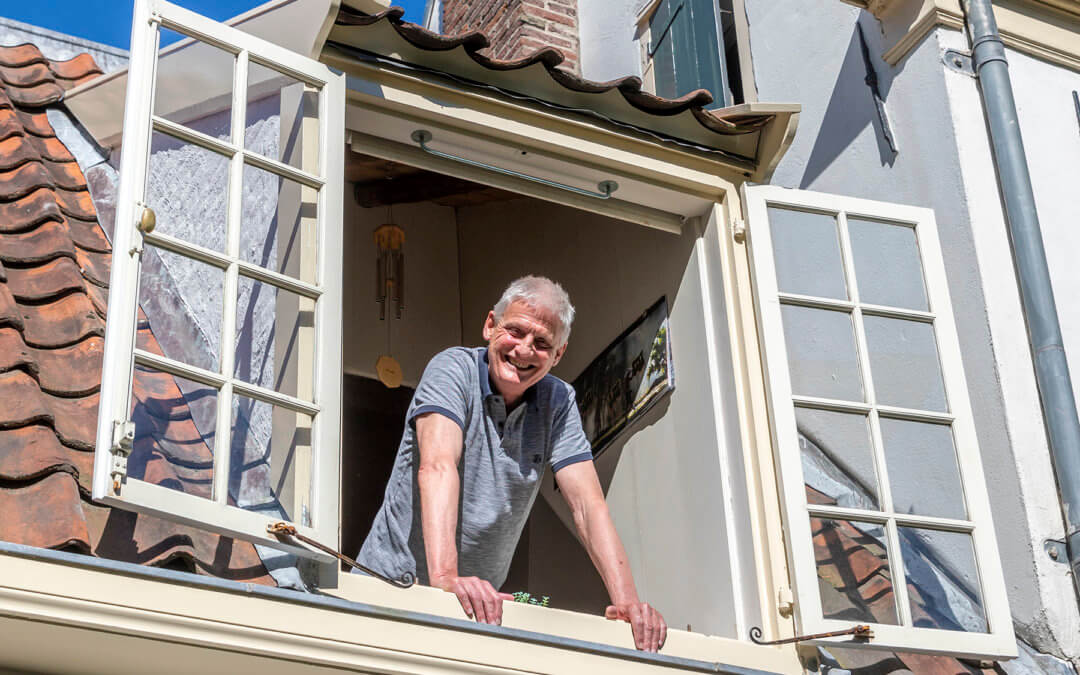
<point x="54" y="273"/>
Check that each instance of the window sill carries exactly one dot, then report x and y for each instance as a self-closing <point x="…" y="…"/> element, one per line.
<point x="125" y="617"/>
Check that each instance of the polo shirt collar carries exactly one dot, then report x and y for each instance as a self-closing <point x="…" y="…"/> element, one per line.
<point x="530" y="396"/>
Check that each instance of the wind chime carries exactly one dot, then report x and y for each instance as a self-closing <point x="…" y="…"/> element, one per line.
<point x="389" y="289"/>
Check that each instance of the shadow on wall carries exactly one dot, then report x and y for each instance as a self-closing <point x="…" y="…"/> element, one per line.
<point x="851" y="105"/>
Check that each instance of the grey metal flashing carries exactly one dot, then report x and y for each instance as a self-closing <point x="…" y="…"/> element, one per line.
<point x="372" y="611"/>
<point x="38" y="31"/>
<point x="1029" y="255"/>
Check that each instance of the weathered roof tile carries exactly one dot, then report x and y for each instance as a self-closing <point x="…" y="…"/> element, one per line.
<point x="48" y="280"/>
<point x="30" y="210"/>
<point x="48" y="241"/>
<point x="62" y="322"/>
<point x="29" y="452"/>
<point x="47" y="513"/>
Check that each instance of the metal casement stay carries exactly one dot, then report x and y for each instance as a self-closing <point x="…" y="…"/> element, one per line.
<point x="283" y="530"/>
<point x="606" y="188"/>
<point x="859" y="633"/>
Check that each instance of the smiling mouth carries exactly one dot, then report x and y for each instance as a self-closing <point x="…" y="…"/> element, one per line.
<point x="518" y="365"/>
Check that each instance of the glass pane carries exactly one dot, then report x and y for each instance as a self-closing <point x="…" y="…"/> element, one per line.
<point x="188" y="188"/>
<point x="854" y="575"/>
<point x="837" y="458"/>
<point x="270" y="466"/>
<point x="275" y="338"/>
<point x="174" y="432"/>
<point x="806" y="247"/>
<point x="904" y="362"/>
<point x="181" y="299"/>
<point x="821" y="353"/>
<point x="942" y="580"/>
<point x="887" y="265"/>
<point x="193" y="85"/>
<point x="282" y="118"/>
<point x="278" y="224"/>
<point x="923" y="474"/>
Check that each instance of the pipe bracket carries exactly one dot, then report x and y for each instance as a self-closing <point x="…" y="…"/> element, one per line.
<point x="959" y="62"/>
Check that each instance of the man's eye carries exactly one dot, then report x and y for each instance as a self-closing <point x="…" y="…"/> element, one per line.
<point x="515" y="331"/>
<point x="542" y="344"/>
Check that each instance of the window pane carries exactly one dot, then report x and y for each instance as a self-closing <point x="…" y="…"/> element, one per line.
<point x="174" y="432"/>
<point x="275" y="337"/>
<point x="923" y="474"/>
<point x="854" y="576"/>
<point x="193" y="85"/>
<point x="821" y="353"/>
<point x="942" y="580"/>
<point x="188" y="187"/>
<point x="904" y="362"/>
<point x="181" y="299"/>
<point x="887" y="265"/>
<point x="270" y="468"/>
<point x="806" y="247"/>
<point x="282" y="118"/>
<point x="278" y="224"/>
<point x="837" y="458"/>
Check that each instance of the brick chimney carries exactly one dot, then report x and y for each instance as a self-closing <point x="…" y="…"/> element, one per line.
<point x="517" y="27"/>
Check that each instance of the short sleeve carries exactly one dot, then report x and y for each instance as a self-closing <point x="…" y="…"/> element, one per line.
<point x="444" y="387"/>
<point x="569" y="444"/>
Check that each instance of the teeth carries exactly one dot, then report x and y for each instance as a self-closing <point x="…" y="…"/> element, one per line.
<point x="515" y="364"/>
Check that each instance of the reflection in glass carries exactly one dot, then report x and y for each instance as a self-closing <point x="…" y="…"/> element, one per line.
<point x="183" y="330"/>
<point x="821" y="353"/>
<point x="854" y="576"/>
<point x="887" y="264"/>
<point x="193" y="85"/>
<point x="270" y="466"/>
<point x="904" y="362"/>
<point x="942" y="580"/>
<point x="174" y="432"/>
<point x="188" y="187"/>
<point x="923" y="473"/>
<point x="282" y="118"/>
<point x="278" y="224"/>
<point x="837" y="458"/>
<point x="806" y="247"/>
<point x="275" y="338"/>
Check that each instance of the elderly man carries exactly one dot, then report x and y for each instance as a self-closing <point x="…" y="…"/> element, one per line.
<point x="482" y="426"/>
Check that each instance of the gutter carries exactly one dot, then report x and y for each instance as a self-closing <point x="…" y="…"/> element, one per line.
<point x="1029" y="256"/>
<point x="331" y="603"/>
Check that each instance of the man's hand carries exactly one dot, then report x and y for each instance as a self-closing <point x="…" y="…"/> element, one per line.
<point x="650" y="631"/>
<point x="477" y="596"/>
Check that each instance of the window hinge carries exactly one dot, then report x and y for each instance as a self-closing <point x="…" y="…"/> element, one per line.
<point x="785" y="602"/>
<point x="123" y="441"/>
<point x="738" y="230"/>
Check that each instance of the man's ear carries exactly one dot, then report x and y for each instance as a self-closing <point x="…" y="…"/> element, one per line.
<point x="489" y="326"/>
<point x="558" y="355"/>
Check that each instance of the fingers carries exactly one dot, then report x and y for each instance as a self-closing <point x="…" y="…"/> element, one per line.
<point x="480" y="600"/>
<point x="647" y="624"/>
<point x="611" y="613"/>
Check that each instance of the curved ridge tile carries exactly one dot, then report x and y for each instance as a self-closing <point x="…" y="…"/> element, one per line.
<point x="10" y="125"/>
<point x="658" y="105"/>
<point x="548" y="56"/>
<point x="39" y="283"/>
<point x="575" y="83"/>
<point x="414" y="34"/>
<point x="66" y="175"/>
<point x="88" y="235"/>
<point x="727" y="127"/>
<point x="70" y="371"/>
<point x="15" y="151"/>
<point x="36" y="123"/>
<point x="31" y="452"/>
<point x="14" y="354"/>
<point x="349" y="17"/>
<point x="23" y="54"/>
<point x="24" y="403"/>
<point x="23" y="180"/>
<point x="28" y="211"/>
<point x="75" y="68"/>
<point x="61" y="323"/>
<point x="37" y="96"/>
<point x="30" y="75"/>
<point x="52" y="148"/>
<point x="76" y="204"/>
<point x="74" y="419"/>
<point x="47" y="241"/>
<point x="46" y="513"/>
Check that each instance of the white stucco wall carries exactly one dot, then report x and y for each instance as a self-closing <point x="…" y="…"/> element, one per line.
<point x="607" y="29"/>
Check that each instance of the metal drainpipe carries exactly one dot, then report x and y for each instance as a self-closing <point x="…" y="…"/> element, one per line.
<point x="1037" y="295"/>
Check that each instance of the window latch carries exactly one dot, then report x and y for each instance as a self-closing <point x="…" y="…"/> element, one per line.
<point x="860" y="633"/>
<point x="282" y="530"/>
<point x="123" y="441"/>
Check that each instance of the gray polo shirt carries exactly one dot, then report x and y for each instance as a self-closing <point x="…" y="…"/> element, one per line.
<point x="504" y="458"/>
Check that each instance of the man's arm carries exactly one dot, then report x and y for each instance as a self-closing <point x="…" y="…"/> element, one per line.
<point x="581" y="489"/>
<point x="441" y="440"/>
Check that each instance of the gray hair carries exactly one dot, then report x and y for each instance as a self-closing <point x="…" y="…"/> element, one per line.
<point x="540" y="293"/>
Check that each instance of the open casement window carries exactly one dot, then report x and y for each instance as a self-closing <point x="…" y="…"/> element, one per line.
<point x="886" y="509"/>
<point x="223" y="349"/>
<point x="686" y="49"/>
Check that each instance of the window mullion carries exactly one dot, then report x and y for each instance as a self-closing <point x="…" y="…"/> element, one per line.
<point x="223" y="437"/>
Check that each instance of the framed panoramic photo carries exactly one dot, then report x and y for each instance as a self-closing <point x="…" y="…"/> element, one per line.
<point x="627" y="378"/>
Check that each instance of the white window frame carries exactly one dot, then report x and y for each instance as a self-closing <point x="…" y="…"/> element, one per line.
<point x="999" y="642"/>
<point x="121" y="354"/>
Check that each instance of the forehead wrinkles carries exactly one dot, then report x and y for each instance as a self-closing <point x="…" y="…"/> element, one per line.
<point x="535" y="318"/>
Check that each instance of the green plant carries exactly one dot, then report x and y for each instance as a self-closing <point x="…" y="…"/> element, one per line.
<point x="526" y="598"/>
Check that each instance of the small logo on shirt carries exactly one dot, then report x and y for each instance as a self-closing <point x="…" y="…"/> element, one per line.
<point x="537" y="459"/>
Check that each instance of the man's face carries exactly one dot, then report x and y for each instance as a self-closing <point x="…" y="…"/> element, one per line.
<point x="522" y="348"/>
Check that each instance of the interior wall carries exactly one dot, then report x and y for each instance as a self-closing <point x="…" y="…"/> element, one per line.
<point x="431" y="320"/>
<point x="663" y="478"/>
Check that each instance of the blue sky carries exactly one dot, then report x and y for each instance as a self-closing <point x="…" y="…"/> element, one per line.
<point x="109" y="21"/>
